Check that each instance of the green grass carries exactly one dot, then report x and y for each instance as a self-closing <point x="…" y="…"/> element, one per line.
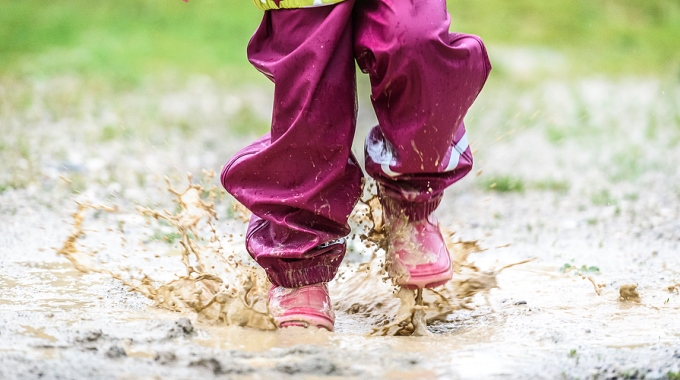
<point x="550" y="184"/>
<point x="246" y="122"/>
<point x="583" y="270"/>
<point x="128" y="41"/>
<point x="125" y="40"/>
<point x="503" y="184"/>
<point x="603" y="198"/>
<point x="617" y="36"/>
<point x="512" y="184"/>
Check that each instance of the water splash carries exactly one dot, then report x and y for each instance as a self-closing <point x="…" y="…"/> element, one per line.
<point x="226" y="287"/>
<point x="219" y="287"/>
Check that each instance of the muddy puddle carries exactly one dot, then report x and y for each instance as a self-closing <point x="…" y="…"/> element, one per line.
<point x="118" y="274"/>
<point x="205" y="295"/>
<point x="221" y="285"/>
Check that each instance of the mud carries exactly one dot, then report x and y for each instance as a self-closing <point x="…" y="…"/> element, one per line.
<point x="228" y="288"/>
<point x="628" y="292"/>
<point x="151" y="293"/>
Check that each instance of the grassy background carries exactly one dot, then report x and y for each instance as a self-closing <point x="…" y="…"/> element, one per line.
<point x="613" y="36"/>
<point x="125" y="39"/>
<point x="130" y="40"/>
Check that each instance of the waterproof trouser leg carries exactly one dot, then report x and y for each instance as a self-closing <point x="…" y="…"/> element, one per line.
<point x="423" y="80"/>
<point x="301" y="181"/>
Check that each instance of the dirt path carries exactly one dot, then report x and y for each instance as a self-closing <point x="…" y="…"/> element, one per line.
<point x="580" y="175"/>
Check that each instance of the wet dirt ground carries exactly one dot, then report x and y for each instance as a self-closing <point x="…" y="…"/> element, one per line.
<point x="579" y="175"/>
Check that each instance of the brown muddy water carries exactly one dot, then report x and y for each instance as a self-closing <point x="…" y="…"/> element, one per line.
<point x="107" y="273"/>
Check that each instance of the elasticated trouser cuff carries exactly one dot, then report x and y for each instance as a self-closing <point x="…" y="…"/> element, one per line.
<point x="297" y="277"/>
<point x="321" y="265"/>
<point x="393" y="207"/>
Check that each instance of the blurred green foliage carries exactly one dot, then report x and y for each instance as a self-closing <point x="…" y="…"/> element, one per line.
<point x="613" y="36"/>
<point x="124" y="39"/>
<point x="129" y="39"/>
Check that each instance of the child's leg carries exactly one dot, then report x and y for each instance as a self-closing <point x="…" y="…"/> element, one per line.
<point x="301" y="181"/>
<point x="423" y="80"/>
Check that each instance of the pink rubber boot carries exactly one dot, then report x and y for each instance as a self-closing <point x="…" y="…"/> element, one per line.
<point x="417" y="256"/>
<point x="305" y="306"/>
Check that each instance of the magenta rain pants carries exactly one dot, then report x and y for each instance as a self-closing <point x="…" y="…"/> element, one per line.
<point x="301" y="180"/>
